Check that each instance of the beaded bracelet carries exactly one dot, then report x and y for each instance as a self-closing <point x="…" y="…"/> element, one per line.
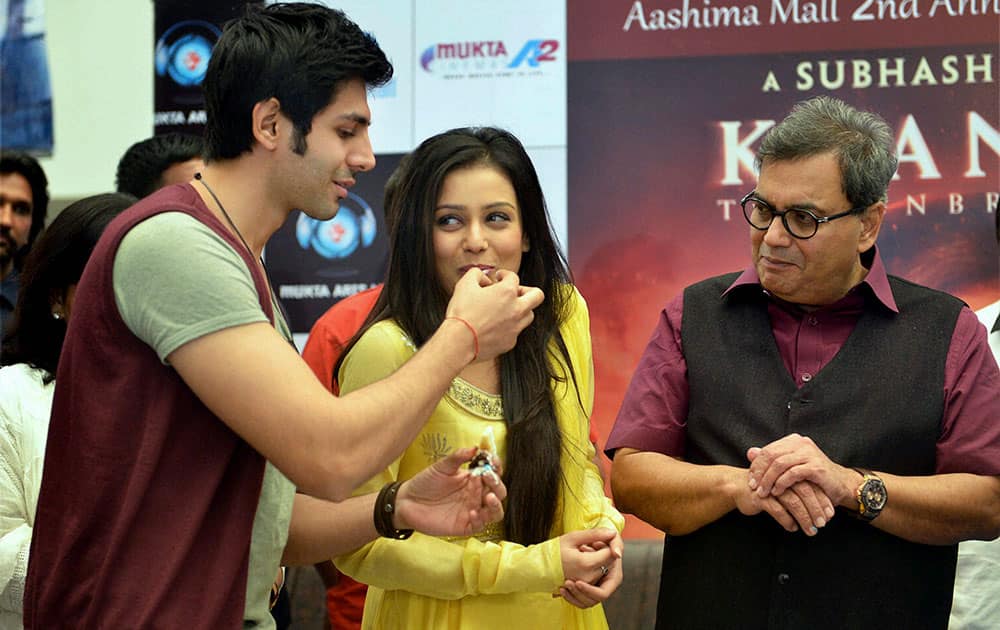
<point x="385" y="507"/>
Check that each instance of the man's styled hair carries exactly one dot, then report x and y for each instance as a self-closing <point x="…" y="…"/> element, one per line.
<point x="140" y="170"/>
<point x="56" y="262"/>
<point x="414" y="298"/>
<point x="29" y="168"/>
<point x="862" y="142"/>
<point x="299" y="53"/>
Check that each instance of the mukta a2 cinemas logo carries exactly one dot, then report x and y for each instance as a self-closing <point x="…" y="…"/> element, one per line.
<point x="949" y="182"/>
<point x="488" y="58"/>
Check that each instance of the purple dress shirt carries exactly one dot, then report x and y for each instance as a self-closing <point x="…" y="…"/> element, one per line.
<point x="653" y="414"/>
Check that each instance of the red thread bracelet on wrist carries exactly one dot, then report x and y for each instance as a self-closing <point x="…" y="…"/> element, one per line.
<point x="475" y="337"/>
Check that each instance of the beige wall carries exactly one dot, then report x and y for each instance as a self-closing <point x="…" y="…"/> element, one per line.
<point x="101" y="65"/>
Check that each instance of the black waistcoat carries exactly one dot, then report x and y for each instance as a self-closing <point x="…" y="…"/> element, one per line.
<point x="877" y="405"/>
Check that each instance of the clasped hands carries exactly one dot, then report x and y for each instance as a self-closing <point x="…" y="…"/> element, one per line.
<point x="796" y="483"/>
<point x="592" y="566"/>
<point x="446" y="499"/>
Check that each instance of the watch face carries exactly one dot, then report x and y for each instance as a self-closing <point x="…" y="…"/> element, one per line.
<point x="873" y="495"/>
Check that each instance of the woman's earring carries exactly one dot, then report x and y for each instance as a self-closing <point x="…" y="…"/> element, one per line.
<point x="56" y="315"/>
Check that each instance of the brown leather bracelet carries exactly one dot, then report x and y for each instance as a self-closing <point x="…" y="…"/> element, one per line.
<point x="385" y="508"/>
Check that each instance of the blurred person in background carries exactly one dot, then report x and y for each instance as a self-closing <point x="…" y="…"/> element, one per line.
<point x="151" y="164"/>
<point x="24" y="200"/>
<point x="977" y="576"/>
<point x="30" y="356"/>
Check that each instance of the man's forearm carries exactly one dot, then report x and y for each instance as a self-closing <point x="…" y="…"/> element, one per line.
<point x="259" y="386"/>
<point x="400" y="404"/>
<point x="933" y="509"/>
<point x="940" y="509"/>
<point x="321" y="529"/>
<point x="671" y="494"/>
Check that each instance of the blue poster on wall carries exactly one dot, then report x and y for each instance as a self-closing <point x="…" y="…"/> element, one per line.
<point x="315" y="264"/>
<point x="186" y="32"/>
<point x="26" y="94"/>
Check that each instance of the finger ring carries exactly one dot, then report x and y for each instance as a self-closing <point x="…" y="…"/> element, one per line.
<point x="604" y="570"/>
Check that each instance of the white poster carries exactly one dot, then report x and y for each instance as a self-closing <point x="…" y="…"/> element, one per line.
<point x="491" y="63"/>
<point x="391" y="22"/>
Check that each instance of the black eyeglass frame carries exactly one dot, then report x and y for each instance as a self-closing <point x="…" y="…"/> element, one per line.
<point x="775" y="213"/>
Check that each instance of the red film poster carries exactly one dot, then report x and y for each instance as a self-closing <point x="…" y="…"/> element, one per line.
<point x="667" y="101"/>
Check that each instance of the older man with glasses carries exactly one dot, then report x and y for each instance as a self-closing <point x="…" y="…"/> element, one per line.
<point x="813" y="435"/>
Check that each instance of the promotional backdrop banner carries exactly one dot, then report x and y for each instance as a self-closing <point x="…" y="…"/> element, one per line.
<point x="186" y="32"/>
<point x="314" y="264"/>
<point x="456" y="64"/>
<point x="668" y="100"/>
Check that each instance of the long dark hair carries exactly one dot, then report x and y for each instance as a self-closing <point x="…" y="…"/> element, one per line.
<point x="415" y="299"/>
<point x="56" y="261"/>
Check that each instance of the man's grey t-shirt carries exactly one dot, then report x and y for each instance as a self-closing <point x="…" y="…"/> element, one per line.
<point x="176" y="280"/>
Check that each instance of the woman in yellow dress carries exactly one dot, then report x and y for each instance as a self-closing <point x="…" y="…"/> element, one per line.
<point x="470" y="198"/>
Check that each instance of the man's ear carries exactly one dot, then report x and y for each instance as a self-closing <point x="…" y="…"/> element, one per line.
<point x="871" y="223"/>
<point x="266" y="123"/>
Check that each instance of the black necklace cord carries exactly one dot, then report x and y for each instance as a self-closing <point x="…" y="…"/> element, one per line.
<point x="267" y="278"/>
<point x="215" y="198"/>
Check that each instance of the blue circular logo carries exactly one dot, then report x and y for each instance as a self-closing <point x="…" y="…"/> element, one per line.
<point x="183" y="51"/>
<point x="353" y="227"/>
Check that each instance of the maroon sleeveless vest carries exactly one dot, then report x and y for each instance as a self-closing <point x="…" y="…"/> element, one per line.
<point x="147" y="499"/>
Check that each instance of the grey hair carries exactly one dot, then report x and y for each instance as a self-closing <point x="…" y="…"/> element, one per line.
<point x="862" y="142"/>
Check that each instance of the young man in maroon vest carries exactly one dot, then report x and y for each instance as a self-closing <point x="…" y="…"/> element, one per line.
<point x="813" y="435"/>
<point x="184" y="420"/>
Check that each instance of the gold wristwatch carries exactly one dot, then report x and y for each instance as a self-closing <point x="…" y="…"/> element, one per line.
<point x="872" y="495"/>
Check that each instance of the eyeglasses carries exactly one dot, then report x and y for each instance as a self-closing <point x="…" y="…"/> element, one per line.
<point x="799" y="223"/>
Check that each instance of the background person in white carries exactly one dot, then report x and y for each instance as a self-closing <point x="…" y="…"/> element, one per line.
<point x="976" y="603"/>
<point x="30" y="355"/>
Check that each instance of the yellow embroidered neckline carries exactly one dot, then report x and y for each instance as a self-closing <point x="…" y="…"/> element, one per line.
<point x="475" y="400"/>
